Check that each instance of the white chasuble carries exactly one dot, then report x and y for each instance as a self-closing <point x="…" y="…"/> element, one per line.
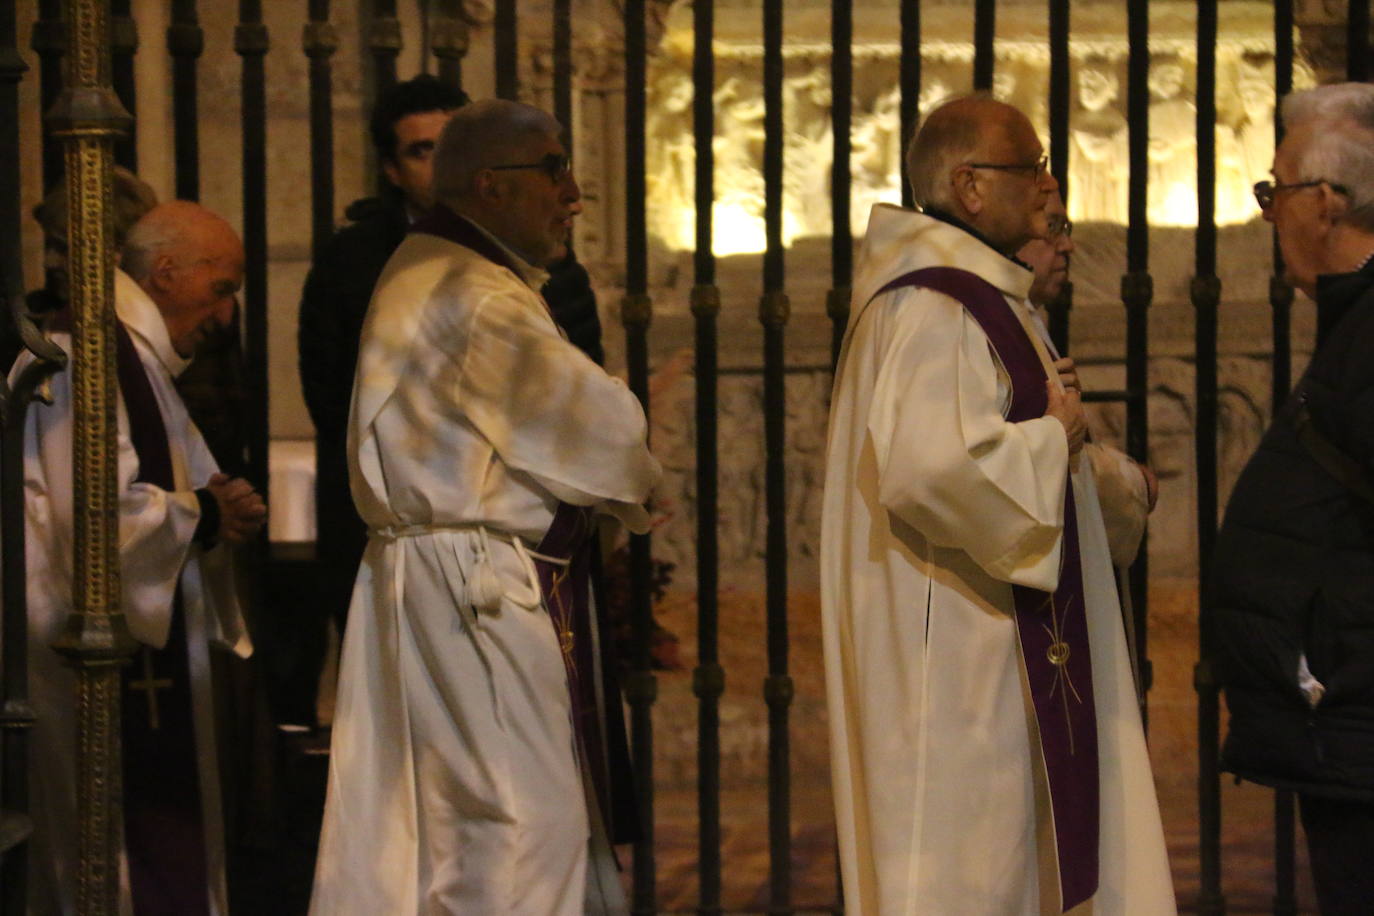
<point x="934" y="507"/>
<point x="156" y="553"/>
<point x="454" y="785"/>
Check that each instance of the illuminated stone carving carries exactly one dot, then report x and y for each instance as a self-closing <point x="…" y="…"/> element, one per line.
<point x="1097" y="152"/>
<point x="1098" y="176"/>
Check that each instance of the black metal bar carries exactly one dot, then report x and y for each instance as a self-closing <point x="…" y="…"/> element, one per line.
<point x="123" y="44"/>
<point x="773" y="313"/>
<point x="384" y="41"/>
<point x="185" y="42"/>
<point x="16" y="714"/>
<point x="319" y="41"/>
<point x="636" y="314"/>
<point x="251" y="43"/>
<point x="562" y="68"/>
<point x="508" y="49"/>
<point x="49" y="42"/>
<point x="1357" y="42"/>
<point x="1281" y="304"/>
<point x="1280" y="292"/>
<point x="1285" y="867"/>
<point x="448" y="41"/>
<point x="842" y="116"/>
<point x="1103" y="395"/>
<point x="708" y="681"/>
<point x="910" y="70"/>
<point x="984" y="33"/>
<point x="1059" y="15"/>
<point x="1206" y="294"/>
<point x="1137" y="291"/>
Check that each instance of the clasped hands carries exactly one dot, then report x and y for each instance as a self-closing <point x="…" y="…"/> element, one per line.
<point x="241" y="509"/>
<point x="1066" y="406"/>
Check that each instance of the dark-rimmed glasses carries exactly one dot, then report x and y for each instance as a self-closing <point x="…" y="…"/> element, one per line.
<point x="1058" y="226"/>
<point x="555" y="165"/>
<point x="1035" y="169"/>
<point x="1265" y="191"/>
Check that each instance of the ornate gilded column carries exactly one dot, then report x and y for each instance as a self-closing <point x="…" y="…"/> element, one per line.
<point x="88" y="119"/>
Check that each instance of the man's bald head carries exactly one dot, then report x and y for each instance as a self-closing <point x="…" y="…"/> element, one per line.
<point x="976" y="159"/>
<point x="190" y="263"/>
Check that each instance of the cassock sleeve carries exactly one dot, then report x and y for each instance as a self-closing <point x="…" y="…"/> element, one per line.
<point x="155" y="527"/>
<point x="551" y="412"/>
<point x="948" y="463"/>
<point x="1124" y="498"/>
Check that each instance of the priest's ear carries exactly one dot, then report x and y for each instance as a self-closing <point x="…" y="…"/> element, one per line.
<point x="963" y="181"/>
<point x="489" y="187"/>
<point x="164" y="273"/>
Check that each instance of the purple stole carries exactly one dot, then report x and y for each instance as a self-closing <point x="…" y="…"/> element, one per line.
<point x="164" y="831"/>
<point x="1053" y="627"/>
<point x="602" y="749"/>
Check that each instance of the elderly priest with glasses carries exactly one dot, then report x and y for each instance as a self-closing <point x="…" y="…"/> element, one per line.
<point x="479" y="762"/>
<point x="987" y="751"/>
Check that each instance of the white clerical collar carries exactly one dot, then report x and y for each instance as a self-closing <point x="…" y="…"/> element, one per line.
<point x="142" y="317"/>
<point x="534" y="277"/>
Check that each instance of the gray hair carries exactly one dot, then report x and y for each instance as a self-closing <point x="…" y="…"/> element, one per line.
<point x="1342" y="152"/>
<point x="484" y="134"/>
<point x="939" y="145"/>
<point x="147" y="240"/>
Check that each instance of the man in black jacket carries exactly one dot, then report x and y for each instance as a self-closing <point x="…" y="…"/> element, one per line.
<point x="405" y="127"/>
<point x="1293" y="583"/>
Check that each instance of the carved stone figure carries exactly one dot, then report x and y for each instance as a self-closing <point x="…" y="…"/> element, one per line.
<point x="875" y="156"/>
<point x="670" y="175"/>
<point x="1171" y="197"/>
<point x="808" y="146"/>
<point x="1097" y="154"/>
<point x="1245" y="153"/>
<point x="738" y="148"/>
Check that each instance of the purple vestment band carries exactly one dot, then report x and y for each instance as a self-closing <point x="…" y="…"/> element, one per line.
<point x="1053" y="627"/>
<point x="567" y="597"/>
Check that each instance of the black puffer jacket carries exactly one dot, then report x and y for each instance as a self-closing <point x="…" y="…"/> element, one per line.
<point x="1293" y="574"/>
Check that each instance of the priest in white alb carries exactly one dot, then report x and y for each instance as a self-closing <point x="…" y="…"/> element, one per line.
<point x="478" y="762"/>
<point x="987" y="752"/>
<point x="178" y="516"/>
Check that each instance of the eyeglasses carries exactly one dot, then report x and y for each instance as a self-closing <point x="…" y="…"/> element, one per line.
<point x="1265" y="191"/>
<point x="1036" y="169"/>
<point x="1058" y="226"/>
<point x="556" y="165"/>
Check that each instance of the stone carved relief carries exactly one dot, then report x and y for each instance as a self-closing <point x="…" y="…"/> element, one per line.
<point x="1097" y="151"/>
<point x="1097" y="168"/>
<point x="1243" y="399"/>
<point x="1171" y="191"/>
<point x="742" y="510"/>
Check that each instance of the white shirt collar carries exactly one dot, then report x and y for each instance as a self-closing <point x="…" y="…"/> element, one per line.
<point x="144" y="320"/>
